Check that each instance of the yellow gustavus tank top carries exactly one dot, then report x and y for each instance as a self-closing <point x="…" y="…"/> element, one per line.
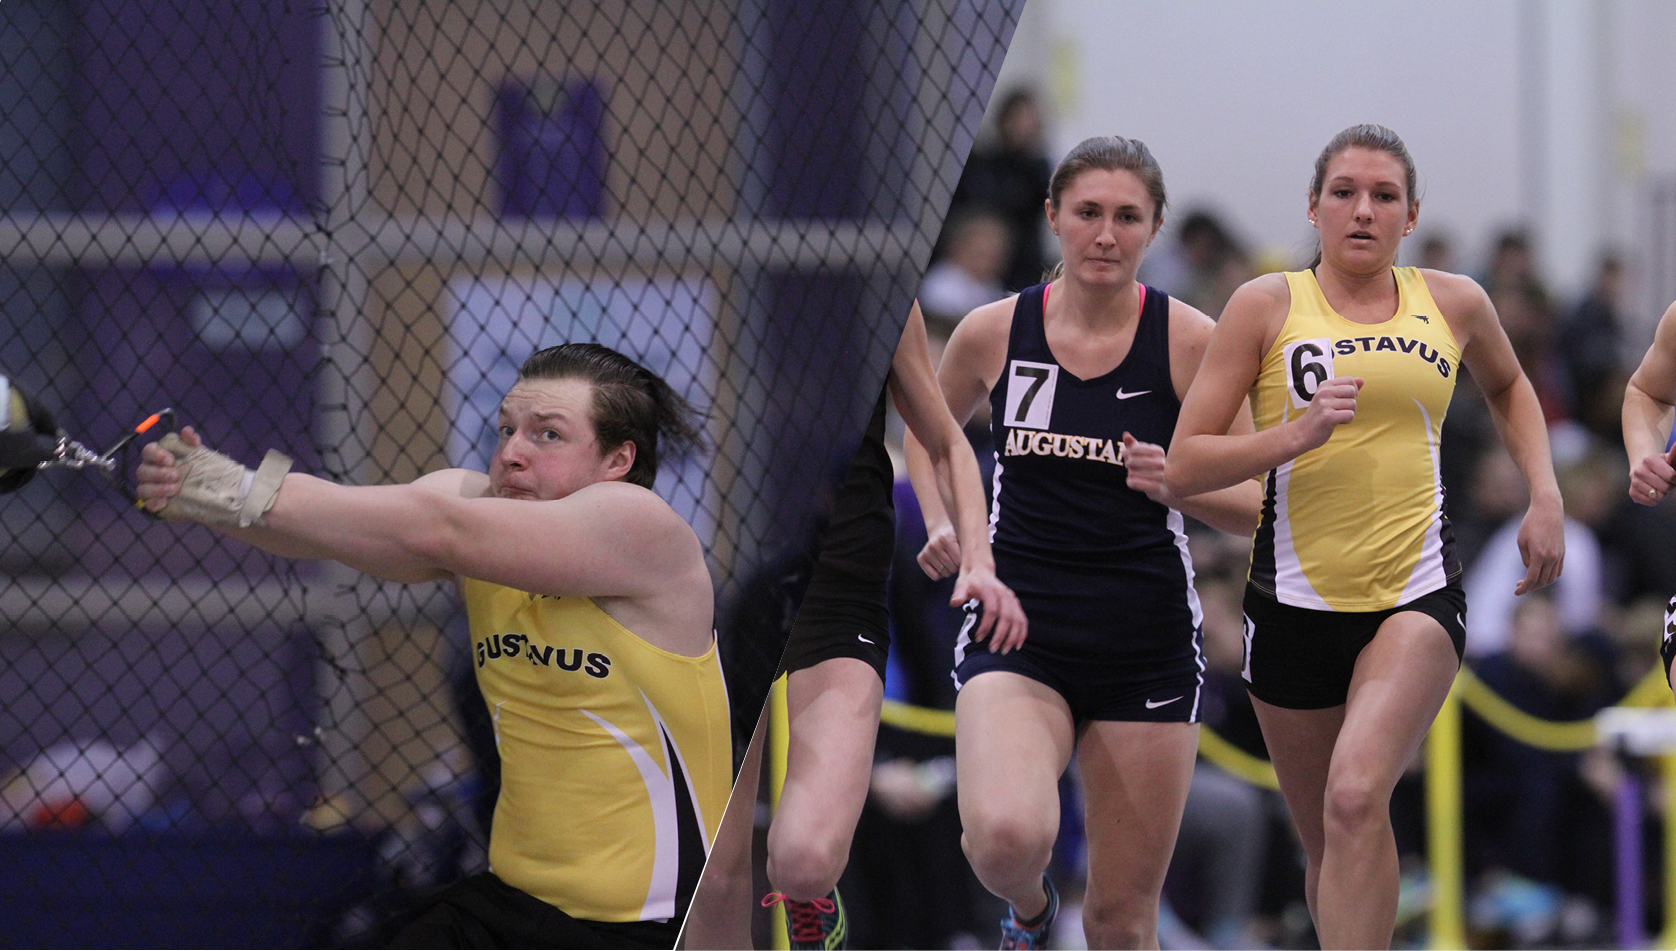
<point x="616" y="756"/>
<point x="1358" y="523"/>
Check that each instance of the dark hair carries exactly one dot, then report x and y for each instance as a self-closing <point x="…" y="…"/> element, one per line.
<point x="1109" y="153"/>
<point x="630" y="404"/>
<point x="1365" y="136"/>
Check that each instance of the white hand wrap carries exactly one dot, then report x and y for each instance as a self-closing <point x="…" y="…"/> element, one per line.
<point x="215" y="490"/>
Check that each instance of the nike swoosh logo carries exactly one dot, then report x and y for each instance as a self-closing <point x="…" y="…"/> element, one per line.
<point x="1129" y="396"/>
<point x="1155" y="704"/>
<point x="864" y="640"/>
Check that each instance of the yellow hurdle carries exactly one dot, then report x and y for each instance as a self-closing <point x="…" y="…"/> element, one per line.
<point x="779" y="741"/>
<point x="1443" y="823"/>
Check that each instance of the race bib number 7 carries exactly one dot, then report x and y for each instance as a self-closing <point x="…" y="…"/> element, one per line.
<point x="1309" y="363"/>
<point x="1030" y="389"/>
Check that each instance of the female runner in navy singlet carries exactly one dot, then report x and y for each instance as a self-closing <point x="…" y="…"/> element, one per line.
<point x="1084" y="376"/>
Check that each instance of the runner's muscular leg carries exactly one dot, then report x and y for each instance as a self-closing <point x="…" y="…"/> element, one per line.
<point x="1135" y="778"/>
<point x="1300" y="744"/>
<point x="1400" y="681"/>
<point x="1013" y="740"/>
<point x="833" y="709"/>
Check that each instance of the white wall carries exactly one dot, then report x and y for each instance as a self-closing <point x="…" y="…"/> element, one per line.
<point x="1550" y="113"/>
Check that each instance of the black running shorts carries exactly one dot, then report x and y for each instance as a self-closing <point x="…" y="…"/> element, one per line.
<point x="846" y="610"/>
<point x="1132" y="686"/>
<point x="1302" y="659"/>
<point x="842" y="615"/>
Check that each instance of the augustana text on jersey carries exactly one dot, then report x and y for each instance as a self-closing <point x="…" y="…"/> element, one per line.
<point x="1025" y="442"/>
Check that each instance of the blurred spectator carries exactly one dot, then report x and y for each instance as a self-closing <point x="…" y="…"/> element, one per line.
<point x="1010" y="176"/>
<point x="1438" y="253"/>
<point x="969" y="267"/>
<point x="1530" y="327"/>
<point x="1529" y="810"/>
<point x="1498" y="568"/>
<point x="1513" y="268"/>
<point x="1217" y="873"/>
<point x="1203" y="266"/>
<point x="1588" y="344"/>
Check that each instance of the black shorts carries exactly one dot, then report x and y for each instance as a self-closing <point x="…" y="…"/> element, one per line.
<point x="1667" y="647"/>
<point x="842" y="615"/>
<point x="846" y="610"/>
<point x="1094" y="687"/>
<point x="484" y="912"/>
<point x="1302" y="659"/>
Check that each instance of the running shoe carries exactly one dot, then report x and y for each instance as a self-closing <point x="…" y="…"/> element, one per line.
<point x="1025" y="935"/>
<point x="817" y="925"/>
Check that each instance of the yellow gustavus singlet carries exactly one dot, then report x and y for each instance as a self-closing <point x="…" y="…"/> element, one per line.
<point x="1357" y="524"/>
<point x="616" y="756"/>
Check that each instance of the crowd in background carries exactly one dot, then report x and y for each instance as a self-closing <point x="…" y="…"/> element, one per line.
<point x="1538" y="823"/>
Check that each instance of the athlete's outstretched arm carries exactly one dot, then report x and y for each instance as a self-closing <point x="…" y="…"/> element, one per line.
<point x="943" y="469"/>
<point x="609" y="539"/>
<point x="1204" y="454"/>
<point x="1488" y="353"/>
<point x="1648" y="401"/>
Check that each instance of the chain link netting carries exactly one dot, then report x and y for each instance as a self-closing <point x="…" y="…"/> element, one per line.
<point x="336" y="229"/>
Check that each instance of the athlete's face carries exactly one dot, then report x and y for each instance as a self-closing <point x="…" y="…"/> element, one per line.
<point x="547" y="447"/>
<point x="1105" y="223"/>
<point x="1364" y="209"/>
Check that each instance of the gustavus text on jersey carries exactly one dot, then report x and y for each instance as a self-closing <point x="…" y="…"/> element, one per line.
<point x="497" y="646"/>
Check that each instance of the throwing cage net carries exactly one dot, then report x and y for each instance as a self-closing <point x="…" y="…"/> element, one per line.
<point x="336" y="229"/>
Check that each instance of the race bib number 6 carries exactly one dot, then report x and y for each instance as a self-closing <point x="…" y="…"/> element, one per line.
<point x="1030" y="389"/>
<point x="1309" y="363"/>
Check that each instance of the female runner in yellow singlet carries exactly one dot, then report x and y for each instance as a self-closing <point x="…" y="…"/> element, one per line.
<point x="1354" y="612"/>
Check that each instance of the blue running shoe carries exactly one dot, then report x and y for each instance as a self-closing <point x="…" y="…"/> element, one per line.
<point x="1025" y="935"/>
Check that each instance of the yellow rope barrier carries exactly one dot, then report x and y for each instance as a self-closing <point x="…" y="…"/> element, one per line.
<point x="1560" y="736"/>
<point x="1232" y="759"/>
<point x="914" y="719"/>
<point x="1477" y="696"/>
<point x="1235" y="761"/>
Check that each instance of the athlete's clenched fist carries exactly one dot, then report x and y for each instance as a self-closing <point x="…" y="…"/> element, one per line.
<point x="1333" y="405"/>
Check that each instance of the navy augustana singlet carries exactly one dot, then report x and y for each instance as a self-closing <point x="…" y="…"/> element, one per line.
<point x="1102" y="571"/>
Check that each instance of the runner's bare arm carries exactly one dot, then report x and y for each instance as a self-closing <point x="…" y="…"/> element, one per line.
<point x="942" y="467"/>
<point x="1648" y="402"/>
<point x="609" y="539"/>
<point x="1488" y="353"/>
<point x="1204" y="453"/>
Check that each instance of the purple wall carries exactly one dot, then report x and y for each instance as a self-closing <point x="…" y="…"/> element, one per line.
<point x="218" y="87"/>
<point x="208" y="108"/>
